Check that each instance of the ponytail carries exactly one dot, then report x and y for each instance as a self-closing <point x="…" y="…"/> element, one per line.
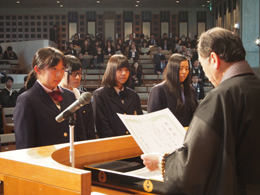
<point x="32" y="77"/>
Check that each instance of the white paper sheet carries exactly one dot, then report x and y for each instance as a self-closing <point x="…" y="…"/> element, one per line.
<point x="155" y="132"/>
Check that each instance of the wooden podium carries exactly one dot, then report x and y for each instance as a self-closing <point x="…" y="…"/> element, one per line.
<point x="46" y="170"/>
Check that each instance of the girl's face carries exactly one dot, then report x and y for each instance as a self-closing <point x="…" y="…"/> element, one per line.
<point x="118" y="46"/>
<point x="50" y="77"/>
<point x="74" y="78"/>
<point x="145" y="44"/>
<point x="108" y="43"/>
<point x="184" y="70"/>
<point x="122" y="75"/>
<point x="120" y="41"/>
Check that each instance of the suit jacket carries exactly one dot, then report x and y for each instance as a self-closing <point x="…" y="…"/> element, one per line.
<point x="130" y="55"/>
<point x="156" y="58"/>
<point x="150" y="42"/>
<point x="168" y="46"/>
<point x="7" y="100"/>
<point x="34" y="119"/>
<point x="199" y="91"/>
<point x="160" y="98"/>
<point x="127" y="42"/>
<point x="106" y="103"/>
<point x="158" y="67"/>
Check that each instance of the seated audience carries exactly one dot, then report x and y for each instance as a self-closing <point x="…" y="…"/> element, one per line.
<point x="115" y="97"/>
<point x="70" y="50"/>
<point x="165" y="45"/>
<point x="198" y="87"/>
<point x="86" y="49"/>
<point x="9" y="54"/>
<point x="90" y="41"/>
<point x="197" y="69"/>
<point x="175" y="92"/>
<point x="8" y="95"/>
<point x="109" y="49"/>
<point x="98" y="59"/>
<point x="23" y="89"/>
<point x="174" y="44"/>
<point x="122" y="46"/>
<point x="71" y="81"/>
<point x="152" y="41"/>
<point x="84" y="61"/>
<point x="130" y="40"/>
<point x="165" y="36"/>
<point x="141" y="40"/>
<point x="157" y="56"/>
<point x="145" y="46"/>
<point x="194" y="42"/>
<point x="2" y="77"/>
<point x="100" y="41"/>
<point x="94" y="48"/>
<point x="118" y="49"/>
<point x="76" y="42"/>
<point x="133" y="53"/>
<point x="137" y="74"/>
<point x="160" y="66"/>
<point x="179" y="46"/>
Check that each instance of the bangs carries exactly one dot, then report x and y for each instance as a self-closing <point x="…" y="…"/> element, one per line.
<point x="55" y="59"/>
<point x="123" y="64"/>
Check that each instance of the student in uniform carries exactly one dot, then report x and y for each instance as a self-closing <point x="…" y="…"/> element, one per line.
<point x="36" y="109"/>
<point x="175" y="92"/>
<point x="115" y="97"/>
<point x="71" y="80"/>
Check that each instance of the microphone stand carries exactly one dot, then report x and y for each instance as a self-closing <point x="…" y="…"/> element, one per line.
<point x="72" y="150"/>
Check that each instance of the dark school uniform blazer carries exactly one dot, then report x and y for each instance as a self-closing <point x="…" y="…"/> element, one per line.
<point x="157" y="67"/>
<point x="106" y="103"/>
<point x="159" y="98"/>
<point x="34" y="119"/>
<point x="88" y="120"/>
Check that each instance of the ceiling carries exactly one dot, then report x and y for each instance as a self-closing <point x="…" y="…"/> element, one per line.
<point x="103" y="4"/>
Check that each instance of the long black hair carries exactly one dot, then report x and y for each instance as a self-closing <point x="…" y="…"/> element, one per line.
<point x="172" y="82"/>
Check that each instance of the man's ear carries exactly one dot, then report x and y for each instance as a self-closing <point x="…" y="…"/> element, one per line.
<point x="36" y="69"/>
<point x="214" y="60"/>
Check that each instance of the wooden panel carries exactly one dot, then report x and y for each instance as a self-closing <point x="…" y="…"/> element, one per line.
<point x="90" y="152"/>
<point x="155" y="24"/>
<point x="29" y="187"/>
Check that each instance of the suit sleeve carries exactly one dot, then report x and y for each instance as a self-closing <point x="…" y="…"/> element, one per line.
<point x="190" y="169"/>
<point x="24" y="124"/>
<point x="100" y="116"/>
<point x="155" y="100"/>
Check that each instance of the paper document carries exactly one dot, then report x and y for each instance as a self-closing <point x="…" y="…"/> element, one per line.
<point x="144" y="172"/>
<point x="155" y="132"/>
<point x="145" y="50"/>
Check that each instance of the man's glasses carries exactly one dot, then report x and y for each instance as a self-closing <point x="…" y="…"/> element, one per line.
<point x="74" y="74"/>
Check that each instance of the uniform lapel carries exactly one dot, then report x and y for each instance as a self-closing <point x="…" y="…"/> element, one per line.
<point x="128" y="99"/>
<point x="115" y="98"/>
<point x="44" y="97"/>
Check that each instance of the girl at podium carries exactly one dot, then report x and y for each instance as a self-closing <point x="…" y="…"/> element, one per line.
<point x="71" y="80"/>
<point x="36" y="109"/>
<point x="175" y="92"/>
<point x="115" y="97"/>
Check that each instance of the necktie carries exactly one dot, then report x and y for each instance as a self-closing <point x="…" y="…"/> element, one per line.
<point x="56" y="95"/>
<point x="122" y="95"/>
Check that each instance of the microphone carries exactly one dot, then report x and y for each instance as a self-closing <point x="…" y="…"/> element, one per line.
<point x="85" y="98"/>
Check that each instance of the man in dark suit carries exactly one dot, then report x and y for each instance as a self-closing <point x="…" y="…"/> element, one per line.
<point x="156" y="57"/>
<point x="198" y="87"/>
<point x="141" y="40"/>
<point x="130" y="40"/>
<point x="152" y="40"/>
<point x="165" y="45"/>
<point x="160" y="66"/>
